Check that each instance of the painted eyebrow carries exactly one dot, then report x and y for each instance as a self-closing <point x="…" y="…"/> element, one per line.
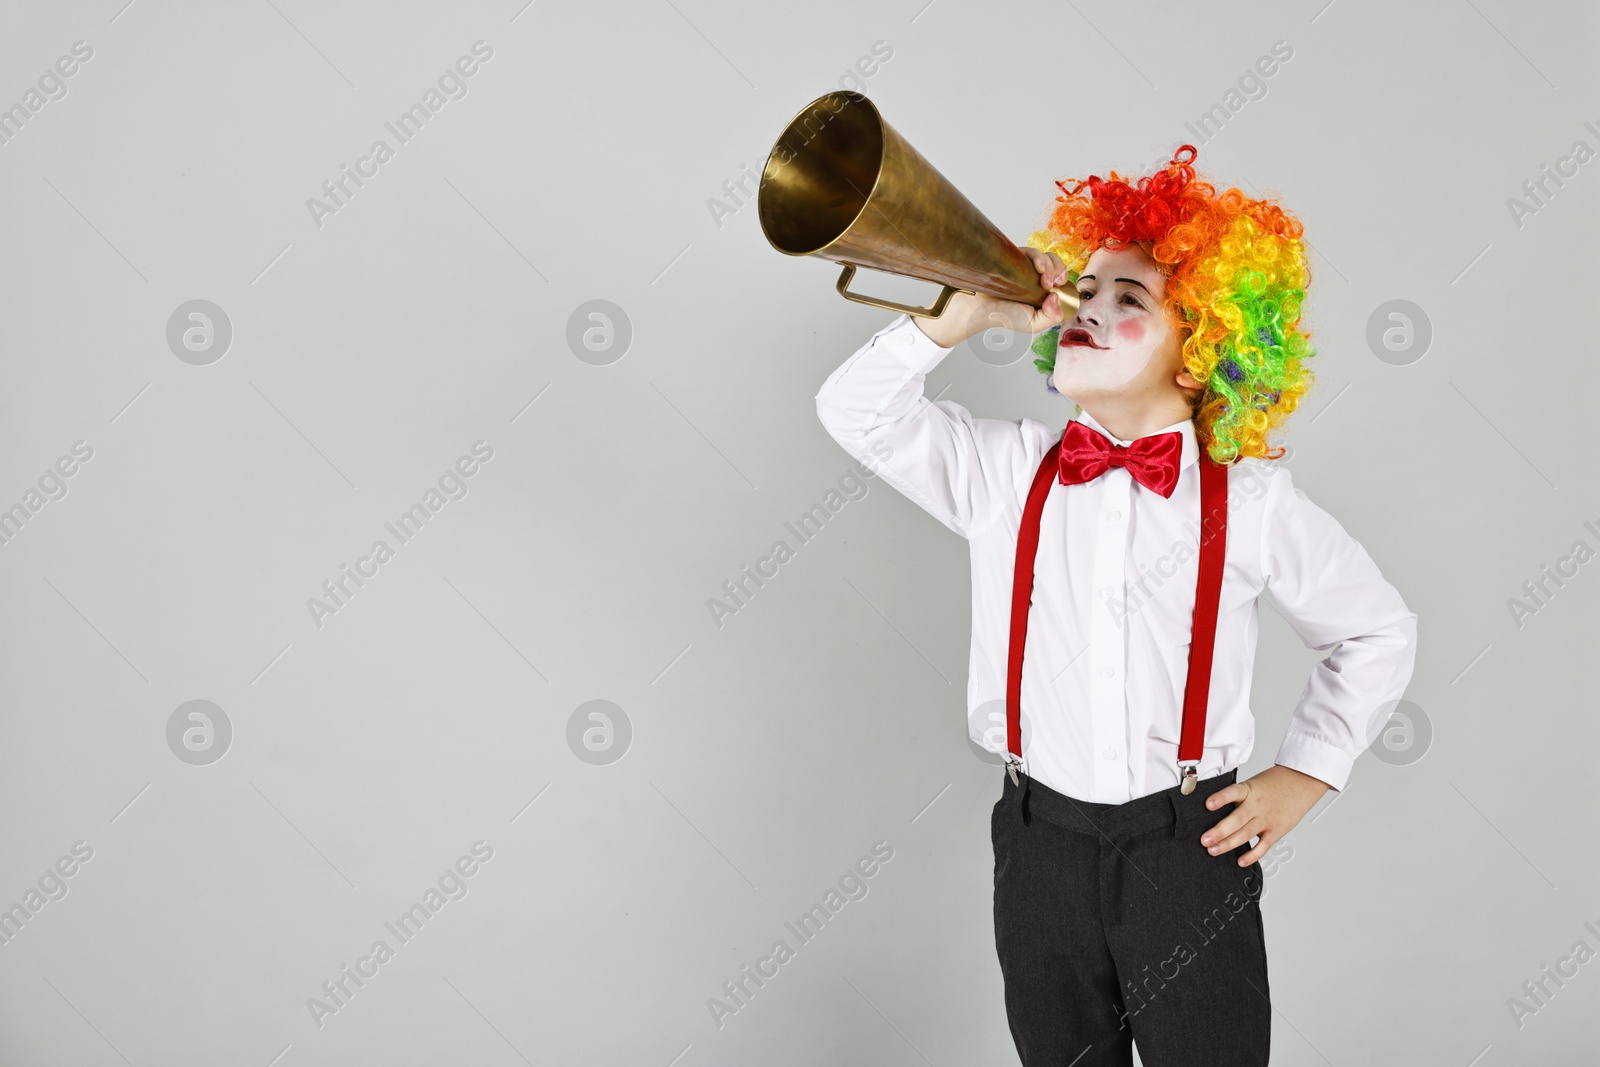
<point x="1130" y="281"/>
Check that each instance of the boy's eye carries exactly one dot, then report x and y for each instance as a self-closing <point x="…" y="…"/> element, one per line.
<point x="1088" y="294"/>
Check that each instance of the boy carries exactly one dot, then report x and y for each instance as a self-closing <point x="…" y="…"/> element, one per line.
<point x="1126" y="899"/>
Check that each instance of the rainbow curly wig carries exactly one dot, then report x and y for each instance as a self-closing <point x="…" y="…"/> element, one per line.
<point x="1236" y="275"/>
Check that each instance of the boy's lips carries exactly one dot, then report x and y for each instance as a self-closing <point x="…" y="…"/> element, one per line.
<point x="1077" y="336"/>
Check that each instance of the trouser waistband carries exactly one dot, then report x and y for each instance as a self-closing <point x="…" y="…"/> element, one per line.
<point x="1168" y="808"/>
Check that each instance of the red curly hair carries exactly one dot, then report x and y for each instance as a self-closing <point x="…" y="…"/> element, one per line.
<point x="1236" y="274"/>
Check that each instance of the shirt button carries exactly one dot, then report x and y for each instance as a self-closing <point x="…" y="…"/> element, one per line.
<point x="1106" y="672"/>
<point x="1114" y="516"/>
<point x="1110" y="753"/>
<point x="1105" y="591"/>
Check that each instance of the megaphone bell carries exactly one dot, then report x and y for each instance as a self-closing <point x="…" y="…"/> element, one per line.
<point x="842" y="184"/>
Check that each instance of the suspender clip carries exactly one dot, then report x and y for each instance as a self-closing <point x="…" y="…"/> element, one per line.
<point x="1013" y="764"/>
<point x="1190" y="776"/>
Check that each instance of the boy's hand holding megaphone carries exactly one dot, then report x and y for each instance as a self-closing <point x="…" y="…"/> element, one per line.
<point x="969" y="314"/>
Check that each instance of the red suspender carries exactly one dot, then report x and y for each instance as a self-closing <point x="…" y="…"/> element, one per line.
<point x="1022" y="597"/>
<point x="1208" y="589"/>
<point x="1203" y="633"/>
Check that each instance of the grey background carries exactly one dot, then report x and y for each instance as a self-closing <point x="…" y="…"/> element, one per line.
<point x="767" y="755"/>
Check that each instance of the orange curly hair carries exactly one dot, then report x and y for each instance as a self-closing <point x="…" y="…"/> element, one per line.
<point x="1236" y="272"/>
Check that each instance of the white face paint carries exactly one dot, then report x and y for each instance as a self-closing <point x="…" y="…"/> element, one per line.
<point x="1120" y="345"/>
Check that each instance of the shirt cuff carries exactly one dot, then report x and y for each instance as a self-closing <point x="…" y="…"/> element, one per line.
<point x="1319" y="759"/>
<point x="909" y="345"/>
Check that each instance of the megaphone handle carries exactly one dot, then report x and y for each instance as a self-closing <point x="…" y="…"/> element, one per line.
<point x="932" y="312"/>
<point x="1067" y="294"/>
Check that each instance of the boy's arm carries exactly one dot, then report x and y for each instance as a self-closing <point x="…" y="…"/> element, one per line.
<point x="1335" y="598"/>
<point x="938" y="455"/>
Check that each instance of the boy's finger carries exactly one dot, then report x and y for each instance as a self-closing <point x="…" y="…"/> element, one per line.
<point x="1263" y="846"/>
<point x="1216" y="839"/>
<point x="1226" y="795"/>
<point x="1228" y="840"/>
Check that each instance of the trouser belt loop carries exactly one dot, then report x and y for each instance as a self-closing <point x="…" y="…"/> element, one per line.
<point x="1177" y="811"/>
<point x="1027" y="816"/>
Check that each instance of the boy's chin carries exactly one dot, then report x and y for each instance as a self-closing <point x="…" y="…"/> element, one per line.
<point x="1086" y="388"/>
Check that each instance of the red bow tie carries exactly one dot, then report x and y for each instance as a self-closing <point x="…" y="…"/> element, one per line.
<point x="1153" y="461"/>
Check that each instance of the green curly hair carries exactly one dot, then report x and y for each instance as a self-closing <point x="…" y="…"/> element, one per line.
<point x="1236" y="275"/>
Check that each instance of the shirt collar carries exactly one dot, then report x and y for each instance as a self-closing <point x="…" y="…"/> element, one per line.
<point x="1191" y="446"/>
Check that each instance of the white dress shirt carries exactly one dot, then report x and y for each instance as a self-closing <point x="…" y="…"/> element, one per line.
<point x="1114" y="588"/>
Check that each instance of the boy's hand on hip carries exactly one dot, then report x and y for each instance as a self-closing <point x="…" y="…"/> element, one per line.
<point x="1270" y="804"/>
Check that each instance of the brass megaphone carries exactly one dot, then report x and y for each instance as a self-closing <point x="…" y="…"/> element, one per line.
<point x="841" y="184"/>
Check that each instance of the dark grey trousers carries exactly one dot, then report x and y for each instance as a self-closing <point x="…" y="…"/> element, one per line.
<point x="1114" y="924"/>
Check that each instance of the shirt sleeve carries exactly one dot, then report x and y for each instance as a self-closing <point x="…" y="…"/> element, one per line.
<point x="1333" y="595"/>
<point x="936" y="454"/>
